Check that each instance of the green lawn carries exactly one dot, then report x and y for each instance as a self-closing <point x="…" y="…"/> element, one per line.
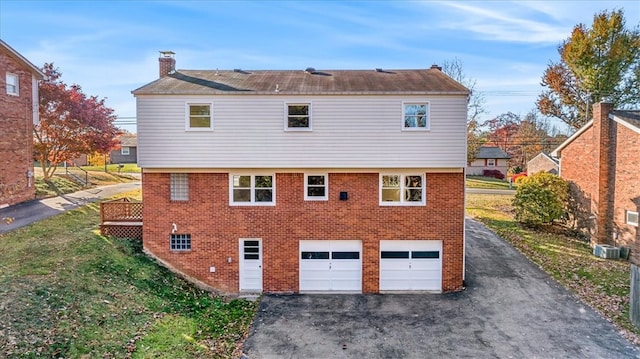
<point x="60" y="184"/>
<point x="68" y="292"/>
<point x="603" y="284"/>
<point x="126" y="168"/>
<point x="486" y="182"/>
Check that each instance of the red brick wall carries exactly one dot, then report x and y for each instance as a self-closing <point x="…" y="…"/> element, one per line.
<point x="626" y="196"/>
<point x="216" y="227"/>
<point x="16" y="127"/>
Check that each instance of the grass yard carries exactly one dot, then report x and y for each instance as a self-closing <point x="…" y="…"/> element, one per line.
<point x="68" y="292"/>
<point x="59" y="183"/>
<point x="602" y="284"/>
<point x="486" y="182"/>
<point x="126" y="168"/>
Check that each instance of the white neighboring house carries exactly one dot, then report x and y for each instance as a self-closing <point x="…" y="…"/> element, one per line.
<point x="489" y="158"/>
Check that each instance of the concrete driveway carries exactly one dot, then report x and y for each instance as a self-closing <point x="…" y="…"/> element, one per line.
<point x="510" y="309"/>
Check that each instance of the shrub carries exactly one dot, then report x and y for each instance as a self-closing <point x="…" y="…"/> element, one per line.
<point x="493" y="173"/>
<point x="540" y="199"/>
<point x="519" y="177"/>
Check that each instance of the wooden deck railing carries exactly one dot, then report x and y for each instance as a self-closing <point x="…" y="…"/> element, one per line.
<point x="121" y="218"/>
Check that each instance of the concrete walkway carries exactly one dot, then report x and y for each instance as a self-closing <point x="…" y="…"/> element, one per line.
<point x="510" y="309"/>
<point x="25" y="213"/>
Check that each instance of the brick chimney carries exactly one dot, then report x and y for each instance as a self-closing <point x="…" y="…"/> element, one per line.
<point x="167" y="63"/>
<point x="604" y="152"/>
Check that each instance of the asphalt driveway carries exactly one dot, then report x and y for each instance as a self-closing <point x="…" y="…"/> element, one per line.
<point x="510" y="309"/>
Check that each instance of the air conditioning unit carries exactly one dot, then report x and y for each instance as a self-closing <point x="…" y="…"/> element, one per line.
<point x="606" y="251"/>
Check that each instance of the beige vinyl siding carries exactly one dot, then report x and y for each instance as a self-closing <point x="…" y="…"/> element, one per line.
<point x="348" y="132"/>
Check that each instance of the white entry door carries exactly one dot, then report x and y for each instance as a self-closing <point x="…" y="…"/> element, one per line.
<point x="331" y="266"/>
<point x="250" y="265"/>
<point x="410" y="265"/>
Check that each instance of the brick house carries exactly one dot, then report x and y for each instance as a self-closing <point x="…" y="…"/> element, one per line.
<point x="543" y="162"/>
<point x="305" y="181"/>
<point x="18" y="113"/>
<point x="601" y="162"/>
<point x="127" y="151"/>
<point x="489" y="158"/>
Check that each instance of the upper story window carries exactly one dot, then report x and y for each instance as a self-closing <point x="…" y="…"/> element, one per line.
<point x="298" y="117"/>
<point x="124" y="151"/>
<point x="632" y="218"/>
<point x="12" y="84"/>
<point x="491" y="162"/>
<point x="179" y="186"/>
<point x="316" y="187"/>
<point x="415" y="116"/>
<point x="199" y="116"/>
<point x="401" y="189"/>
<point x="256" y="190"/>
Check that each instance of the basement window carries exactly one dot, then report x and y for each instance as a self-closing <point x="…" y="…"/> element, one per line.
<point x="180" y="242"/>
<point x="632" y="218"/>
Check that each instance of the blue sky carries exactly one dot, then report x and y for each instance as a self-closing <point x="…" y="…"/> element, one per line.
<point x="111" y="47"/>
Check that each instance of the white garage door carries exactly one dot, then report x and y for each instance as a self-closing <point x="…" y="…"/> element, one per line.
<point x="331" y="266"/>
<point x="410" y="265"/>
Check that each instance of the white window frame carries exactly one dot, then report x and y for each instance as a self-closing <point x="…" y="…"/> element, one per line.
<point x="286" y="117"/>
<point x="125" y="151"/>
<point x="403" y="188"/>
<point x="428" y="114"/>
<point x="491" y="162"/>
<point x="13" y="81"/>
<point x="179" y="187"/>
<point x="187" y="124"/>
<point x="306" y="187"/>
<point x="629" y="221"/>
<point x="253" y="189"/>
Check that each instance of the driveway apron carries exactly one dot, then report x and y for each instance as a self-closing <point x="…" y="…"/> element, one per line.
<point x="510" y="309"/>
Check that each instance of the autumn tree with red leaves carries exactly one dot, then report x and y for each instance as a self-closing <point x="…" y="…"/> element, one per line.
<point x="71" y="123"/>
<point x="597" y="63"/>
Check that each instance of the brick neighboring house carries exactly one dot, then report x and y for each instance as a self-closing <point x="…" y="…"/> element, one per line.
<point x="543" y="162"/>
<point x="128" y="151"/>
<point x="601" y="161"/>
<point x="489" y="158"/>
<point x="305" y="181"/>
<point x="18" y="113"/>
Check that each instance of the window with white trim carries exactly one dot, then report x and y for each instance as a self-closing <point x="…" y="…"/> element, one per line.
<point x="12" y="84"/>
<point x="199" y="116"/>
<point x="298" y="117"/>
<point x="180" y="242"/>
<point x="491" y="162"/>
<point x="252" y="190"/>
<point x="415" y="116"/>
<point x="316" y="187"/>
<point x="124" y="151"/>
<point x="179" y="186"/>
<point x="402" y="189"/>
<point x="632" y="218"/>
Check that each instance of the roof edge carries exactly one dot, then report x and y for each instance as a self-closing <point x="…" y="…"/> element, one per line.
<point x="624" y="122"/>
<point x="34" y="69"/>
<point x="558" y="150"/>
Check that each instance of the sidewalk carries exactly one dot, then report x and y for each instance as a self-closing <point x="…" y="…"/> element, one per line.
<point x="25" y="213"/>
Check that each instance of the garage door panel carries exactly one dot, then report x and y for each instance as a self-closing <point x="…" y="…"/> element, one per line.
<point x="410" y="265"/>
<point x="330" y="266"/>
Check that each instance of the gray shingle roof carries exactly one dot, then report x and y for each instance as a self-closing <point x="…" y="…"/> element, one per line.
<point x="491" y="152"/>
<point x="205" y="82"/>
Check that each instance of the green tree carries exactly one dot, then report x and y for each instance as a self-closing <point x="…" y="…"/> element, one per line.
<point x="540" y="199"/>
<point x="601" y="62"/>
<point x="475" y="108"/>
